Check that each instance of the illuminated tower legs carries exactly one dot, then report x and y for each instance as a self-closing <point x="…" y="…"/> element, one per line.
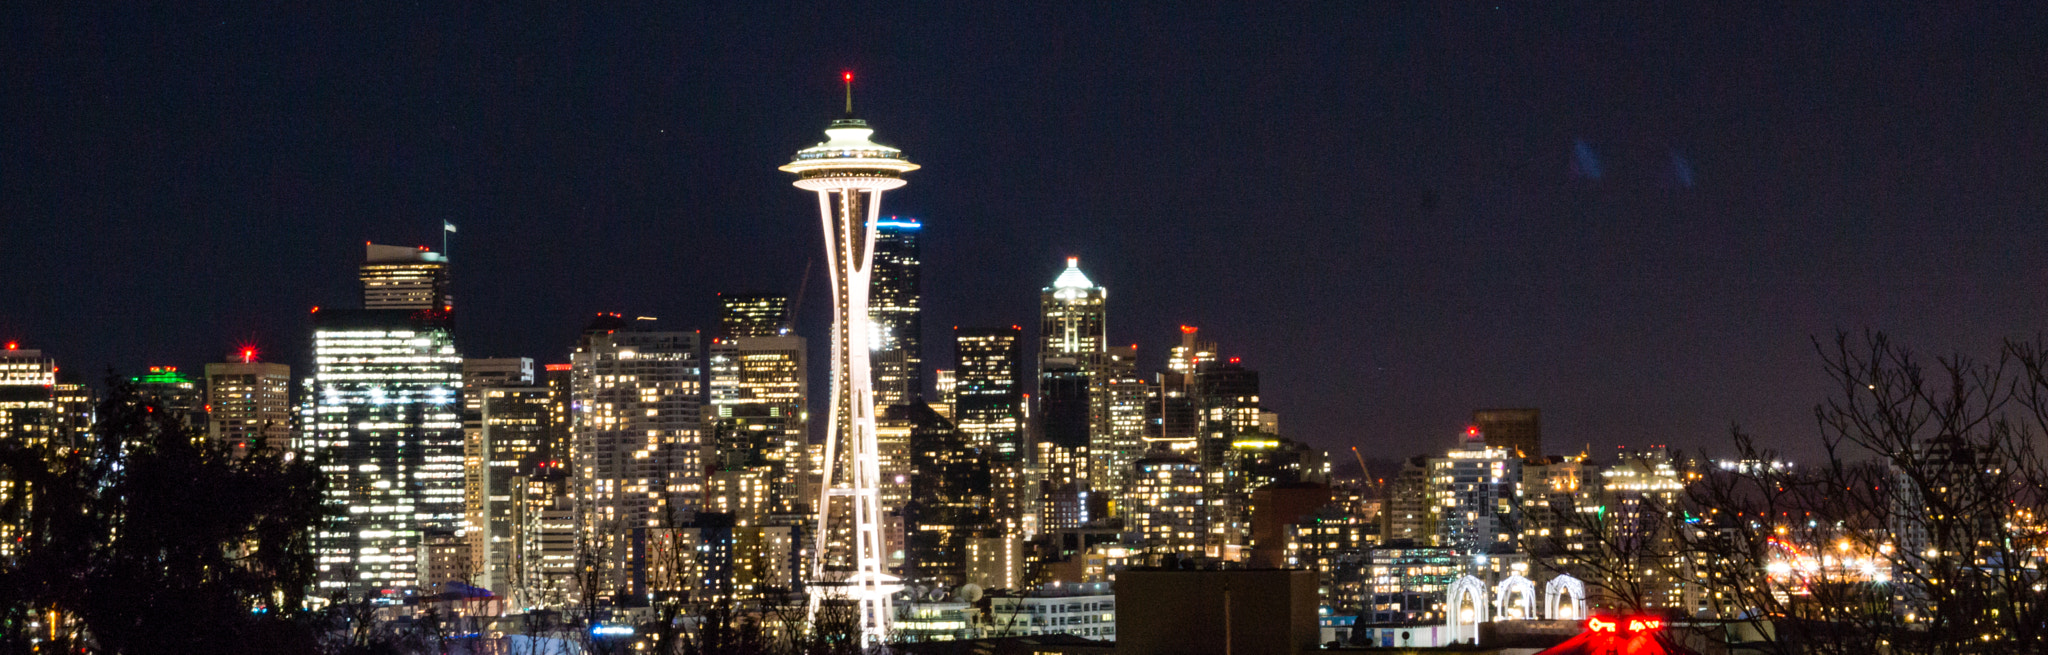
<point x="844" y="206"/>
<point x="849" y="172"/>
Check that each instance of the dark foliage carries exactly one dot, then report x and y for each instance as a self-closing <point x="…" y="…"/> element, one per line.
<point x="150" y="538"/>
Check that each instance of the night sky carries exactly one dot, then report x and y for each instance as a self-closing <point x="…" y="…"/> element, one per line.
<point x="1397" y="213"/>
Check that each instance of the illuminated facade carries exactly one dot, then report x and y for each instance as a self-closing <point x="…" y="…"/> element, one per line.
<point x="36" y="412"/>
<point x="988" y="395"/>
<point x="1472" y="492"/>
<point x="758" y="413"/>
<point x="637" y="438"/>
<point x="387" y="418"/>
<point x="511" y="439"/>
<point x="1120" y="440"/>
<point x="544" y="565"/>
<point x="248" y="402"/>
<point x="895" y="310"/>
<point x="1081" y="610"/>
<point x="752" y="315"/>
<point x="1166" y="511"/>
<point x="397" y="277"/>
<point x="989" y="408"/>
<point x="849" y="172"/>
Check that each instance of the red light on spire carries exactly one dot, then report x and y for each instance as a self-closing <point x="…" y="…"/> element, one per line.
<point x="14" y="345"/>
<point x="848" y="76"/>
<point x="248" y="354"/>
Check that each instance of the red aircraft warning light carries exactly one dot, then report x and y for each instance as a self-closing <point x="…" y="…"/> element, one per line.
<point x="14" y="345"/>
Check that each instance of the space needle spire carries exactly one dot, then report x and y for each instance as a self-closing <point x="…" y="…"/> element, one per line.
<point x="849" y="172"/>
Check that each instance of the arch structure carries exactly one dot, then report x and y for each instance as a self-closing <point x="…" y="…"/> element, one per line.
<point x="1466" y="609"/>
<point x="1515" y="599"/>
<point x="1564" y="599"/>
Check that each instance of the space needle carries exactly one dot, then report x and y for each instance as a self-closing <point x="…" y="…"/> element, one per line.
<point x="849" y="172"/>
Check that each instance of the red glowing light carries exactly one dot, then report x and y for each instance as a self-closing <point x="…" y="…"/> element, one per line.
<point x="316" y="309"/>
<point x="848" y="75"/>
<point x="1187" y="329"/>
<point x="13" y="345"/>
<point x="1234" y="360"/>
<point x="558" y="367"/>
<point x="1471" y="430"/>
<point x="248" y="354"/>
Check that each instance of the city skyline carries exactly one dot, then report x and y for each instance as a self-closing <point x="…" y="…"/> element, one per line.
<point x="1670" y="188"/>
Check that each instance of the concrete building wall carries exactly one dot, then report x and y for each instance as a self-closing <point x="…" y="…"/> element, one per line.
<point x="1255" y="612"/>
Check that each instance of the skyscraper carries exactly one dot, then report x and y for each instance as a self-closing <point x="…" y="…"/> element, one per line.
<point x="511" y="437"/>
<point x="987" y="390"/>
<point x="849" y="172"/>
<point x="894" y="308"/>
<point x="759" y="411"/>
<point x="1072" y="316"/>
<point x="752" y="315"/>
<point x="397" y="277"/>
<point x="637" y="393"/>
<point x="1071" y="355"/>
<point x="387" y="418"/>
<point x="1472" y="493"/>
<point x="248" y="401"/>
<point x="949" y="496"/>
<point x="1519" y="430"/>
<point x="179" y="393"/>
<point x="34" y="412"/>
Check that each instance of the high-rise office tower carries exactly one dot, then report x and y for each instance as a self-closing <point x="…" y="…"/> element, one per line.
<point x="949" y="496"/>
<point x="1120" y="441"/>
<point x="1063" y="395"/>
<point x="385" y="412"/>
<point x="512" y="433"/>
<point x="759" y="407"/>
<point x="849" y="172"/>
<point x="637" y="393"/>
<point x="988" y="408"/>
<point x="1166" y="505"/>
<point x="752" y="315"/>
<point x="1472" y="495"/>
<point x="943" y="385"/>
<point x="1228" y="396"/>
<point x="988" y="398"/>
<point x="1072" y="316"/>
<point x="397" y="277"/>
<point x="491" y="455"/>
<point x="386" y="416"/>
<point x="179" y="393"/>
<point x="894" y="308"/>
<point x="38" y="413"/>
<point x="248" y="402"/>
<point x="1192" y="352"/>
<point x="1519" y="430"/>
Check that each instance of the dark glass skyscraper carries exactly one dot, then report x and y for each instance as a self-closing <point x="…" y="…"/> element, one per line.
<point x="989" y="395"/>
<point x="752" y="315"/>
<point x="893" y="307"/>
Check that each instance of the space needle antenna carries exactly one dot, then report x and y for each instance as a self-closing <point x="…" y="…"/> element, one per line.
<point x="848" y="76"/>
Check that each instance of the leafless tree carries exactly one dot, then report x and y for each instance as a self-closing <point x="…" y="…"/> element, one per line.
<point x="1920" y="532"/>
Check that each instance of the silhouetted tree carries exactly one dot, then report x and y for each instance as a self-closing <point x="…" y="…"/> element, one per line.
<point x="151" y="538"/>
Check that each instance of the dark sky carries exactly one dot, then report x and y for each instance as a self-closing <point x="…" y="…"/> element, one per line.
<point x="1397" y="213"/>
